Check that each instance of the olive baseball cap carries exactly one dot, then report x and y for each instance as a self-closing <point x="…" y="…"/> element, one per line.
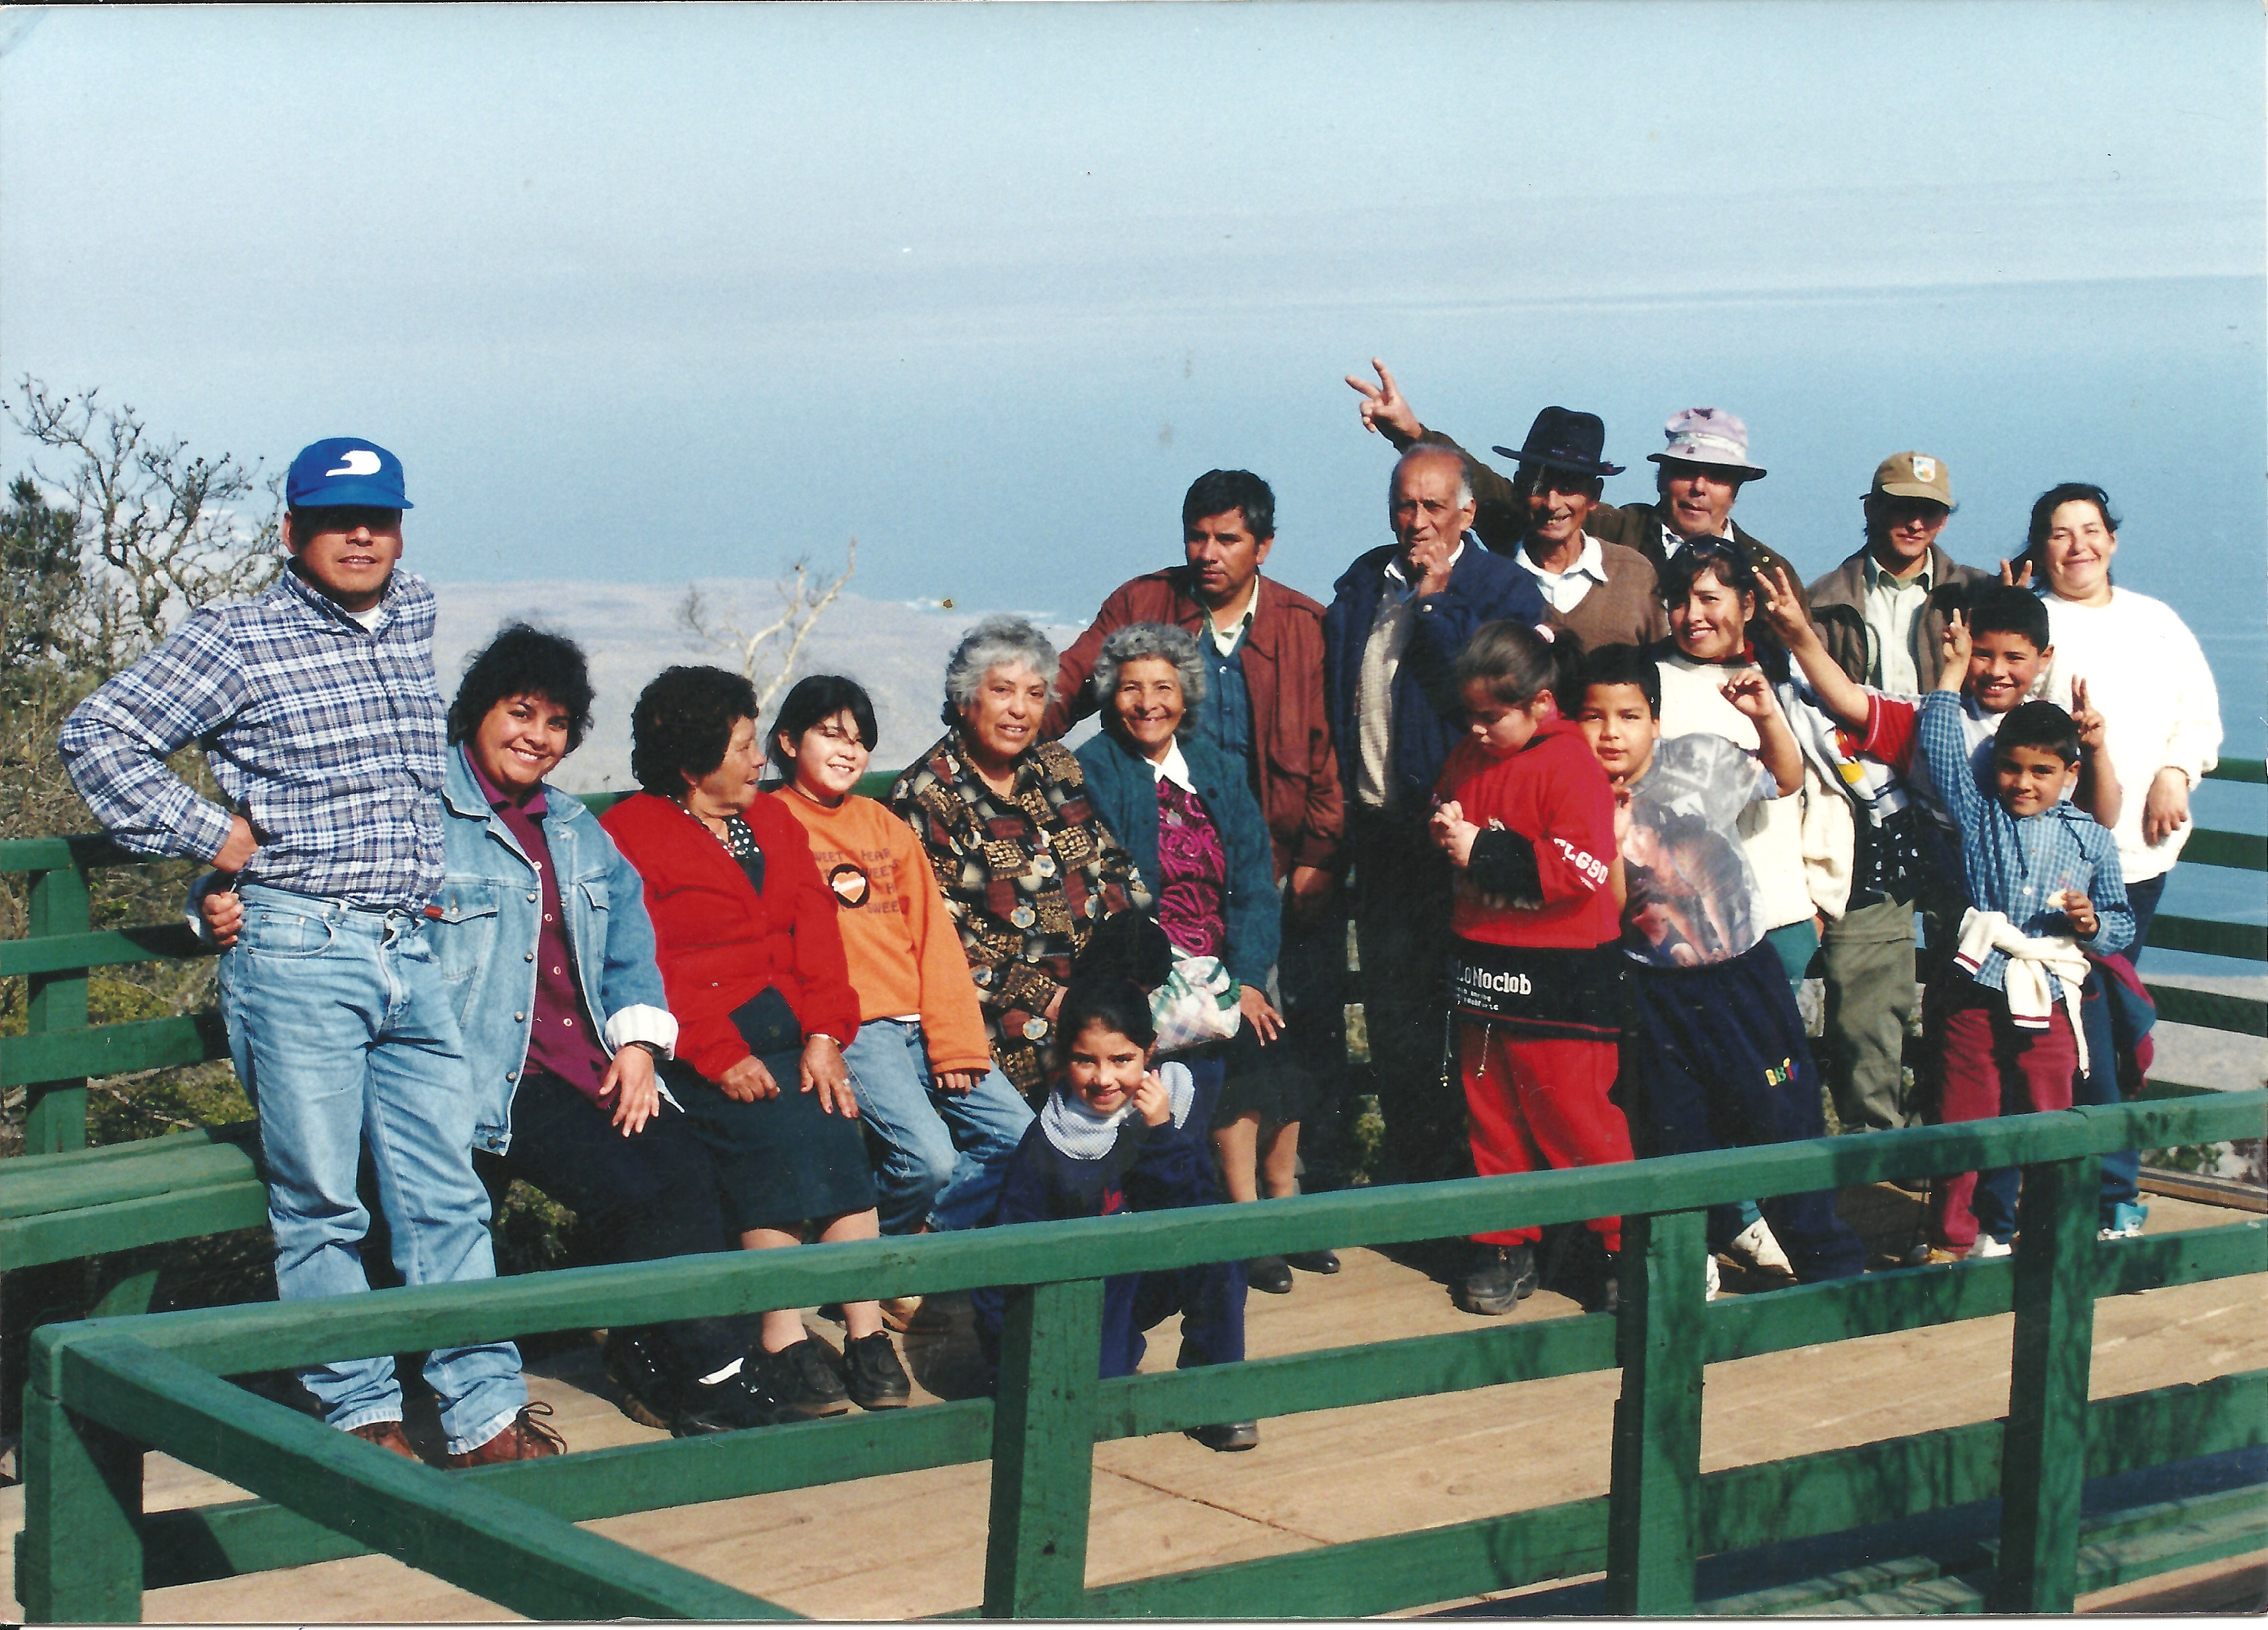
<point x="1913" y="476"/>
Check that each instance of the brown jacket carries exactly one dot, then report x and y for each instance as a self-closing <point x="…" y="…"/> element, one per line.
<point x="1838" y="611"/>
<point x="1500" y="518"/>
<point x="1294" y="774"/>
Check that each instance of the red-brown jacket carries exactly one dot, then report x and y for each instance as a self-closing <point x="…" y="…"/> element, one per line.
<point x="1295" y="774"/>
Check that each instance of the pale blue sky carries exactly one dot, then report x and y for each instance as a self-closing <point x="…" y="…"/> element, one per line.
<point x="649" y="294"/>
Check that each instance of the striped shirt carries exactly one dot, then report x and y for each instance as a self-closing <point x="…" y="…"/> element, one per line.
<point x="2019" y="867"/>
<point x="327" y="735"/>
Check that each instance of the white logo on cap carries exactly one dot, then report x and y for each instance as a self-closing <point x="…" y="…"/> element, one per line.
<point x="362" y="461"/>
<point x="1924" y="468"/>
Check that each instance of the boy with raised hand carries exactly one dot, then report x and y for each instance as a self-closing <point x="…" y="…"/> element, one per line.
<point x="317" y="706"/>
<point x="2045" y="892"/>
<point x="2006" y="630"/>
<point x="1713" y="1052"/>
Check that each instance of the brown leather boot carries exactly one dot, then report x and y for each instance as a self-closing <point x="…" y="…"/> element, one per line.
<point x="526" y="1438"/>
<point x="386" y="1435"/>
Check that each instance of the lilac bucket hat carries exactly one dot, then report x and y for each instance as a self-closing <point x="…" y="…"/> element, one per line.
<point x="1707" y="436"/>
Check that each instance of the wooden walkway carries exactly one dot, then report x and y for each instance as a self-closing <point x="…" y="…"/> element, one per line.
<point x="914" y="1545"/>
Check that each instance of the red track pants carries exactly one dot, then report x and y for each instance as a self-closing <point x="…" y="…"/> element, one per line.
<point x="1987" y="1067"/>
<point x="1541" y="1104"/>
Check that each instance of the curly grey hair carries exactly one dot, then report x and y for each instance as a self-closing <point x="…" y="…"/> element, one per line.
<point x="1143" y="642"/>
<point x="998" y="642"/>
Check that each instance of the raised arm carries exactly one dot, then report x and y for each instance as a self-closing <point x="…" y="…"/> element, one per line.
<point x="1750" y="694"/>
<point x="1783" y="609"/>
<point x="2098" y="791"/>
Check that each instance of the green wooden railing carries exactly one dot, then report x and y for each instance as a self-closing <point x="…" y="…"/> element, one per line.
<point x="93" y="1400"/>
<point x="104" y="1393"/>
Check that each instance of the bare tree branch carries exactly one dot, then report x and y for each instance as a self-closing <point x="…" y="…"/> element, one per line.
<point x="767" y="654"/>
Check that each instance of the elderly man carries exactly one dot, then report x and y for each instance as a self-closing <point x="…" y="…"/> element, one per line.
<point x="1701" y="474"/>
<point x="1261" y="645"/>
<point x="1399" y="617"/>
<point x="1882" y="614"/>
<point x="1602" y="593"/>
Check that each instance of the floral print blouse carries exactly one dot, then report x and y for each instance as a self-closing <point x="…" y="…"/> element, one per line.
<point x="1027" y="877"/>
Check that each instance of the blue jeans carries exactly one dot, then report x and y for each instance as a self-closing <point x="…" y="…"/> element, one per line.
<point x="944" y="1153"/>
<point x="342" y="1035"/>
<point x="1995" y="1199"/>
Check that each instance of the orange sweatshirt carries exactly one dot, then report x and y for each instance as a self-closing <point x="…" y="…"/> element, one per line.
<point x="905" y="953"/>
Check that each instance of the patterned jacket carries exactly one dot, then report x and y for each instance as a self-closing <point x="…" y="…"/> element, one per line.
<point x="1026" y="878"/>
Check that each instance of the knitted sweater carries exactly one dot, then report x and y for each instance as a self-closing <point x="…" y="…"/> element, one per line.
<point x="904" y="951"/>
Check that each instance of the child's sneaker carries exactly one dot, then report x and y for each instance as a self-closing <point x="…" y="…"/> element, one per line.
<point x="1986" y="1246"/>
<point x="1755" y="1249"/>
<point x="872" y="1374"/>
<point x="2125" y="1221"/>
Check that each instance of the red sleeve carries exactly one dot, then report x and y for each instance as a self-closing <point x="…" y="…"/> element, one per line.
<point x="1076" y="666"/>
<point x="802" y="904"/>
<point x="1575" y="841"/>
<point x="1890" y="735"/>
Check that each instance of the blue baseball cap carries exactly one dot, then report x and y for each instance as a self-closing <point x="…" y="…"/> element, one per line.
<point x="345" y="470"/>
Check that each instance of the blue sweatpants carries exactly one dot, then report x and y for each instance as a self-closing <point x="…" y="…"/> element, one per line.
<point x="1715" y="1057"/>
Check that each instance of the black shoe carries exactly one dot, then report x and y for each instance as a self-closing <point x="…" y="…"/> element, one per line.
<point x="1272" y="1274"/>
<point x="1315" y="1261"/>
<point x="1582" y="1268"/>
<point x="632" y="1362"/>
<point x="1228" y="1436"/>
<point x="802" y="1377"/>
<point x="1501" y="1276"/>
<point x="734" y="1404"/>
<point x="872" y="1375"/>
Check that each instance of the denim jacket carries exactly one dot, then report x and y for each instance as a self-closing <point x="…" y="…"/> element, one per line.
<point x="486" y="934"/>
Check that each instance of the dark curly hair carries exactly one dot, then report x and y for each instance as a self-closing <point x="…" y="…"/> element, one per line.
<point x="522" y="661"/>
<point x="683" y="723"/>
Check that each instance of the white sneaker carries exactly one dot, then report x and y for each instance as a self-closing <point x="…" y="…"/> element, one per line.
<point x="1709" y="1282"/>
<point x="1755" y="1248"/>
<point x="1988" y="1247"/>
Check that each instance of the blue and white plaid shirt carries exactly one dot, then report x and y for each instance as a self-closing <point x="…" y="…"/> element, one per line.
<point x="2019" y="867"/>
<point x="329" y="737"/>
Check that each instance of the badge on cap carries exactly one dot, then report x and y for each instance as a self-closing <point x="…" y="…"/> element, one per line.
<point x="1924" y="467"/>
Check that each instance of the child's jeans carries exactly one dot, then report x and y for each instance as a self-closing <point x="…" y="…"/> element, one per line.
<point x="1989" y="1066"/>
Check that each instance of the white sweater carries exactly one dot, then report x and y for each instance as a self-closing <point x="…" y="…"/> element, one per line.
<point x="2146" y="674"/>
<point x="1771" y="832"/>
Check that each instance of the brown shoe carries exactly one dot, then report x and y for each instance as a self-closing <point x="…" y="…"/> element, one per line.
<point x="526" y="1438"/>
<point x="386" y="1435"/>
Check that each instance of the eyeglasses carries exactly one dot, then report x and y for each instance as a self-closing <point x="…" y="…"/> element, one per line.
<point x="343" y="517"/>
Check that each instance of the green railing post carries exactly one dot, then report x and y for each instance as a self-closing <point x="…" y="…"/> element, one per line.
<point x="55" y="1117"/>
<point x="1653" y="1520"/>
<point x="2044" y="1455"/>
<point x="81" y="1556"/>
<point x="1044" y="1452"/>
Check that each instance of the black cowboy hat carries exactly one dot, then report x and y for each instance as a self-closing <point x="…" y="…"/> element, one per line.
<point x="1563" y="440"/>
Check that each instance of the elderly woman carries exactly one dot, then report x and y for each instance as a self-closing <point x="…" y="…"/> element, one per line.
<point x="2145" y="673"/>
<point x="1189" y="818"/>
<point x="548" y="954"/>
<point x="753" y="961"/>
<point x="1028" y="868"/>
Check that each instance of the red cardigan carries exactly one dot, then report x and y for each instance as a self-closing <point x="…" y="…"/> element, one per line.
<point x="720" y="941"/>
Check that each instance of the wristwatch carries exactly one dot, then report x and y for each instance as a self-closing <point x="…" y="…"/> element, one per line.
<point x="660" y="1053"/>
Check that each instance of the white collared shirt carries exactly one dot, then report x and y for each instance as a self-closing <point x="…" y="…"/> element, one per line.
<point x="1891" y="608"/>
<point x="1565" y="590"/>
<point x="1226" y="640"/>
<point x="1173" y="768"/>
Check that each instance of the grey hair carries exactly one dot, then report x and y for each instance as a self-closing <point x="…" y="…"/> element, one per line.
<point x="1436" y="450"/>
<point x="1145" y="642"/>
<point x="998" y="642"/>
